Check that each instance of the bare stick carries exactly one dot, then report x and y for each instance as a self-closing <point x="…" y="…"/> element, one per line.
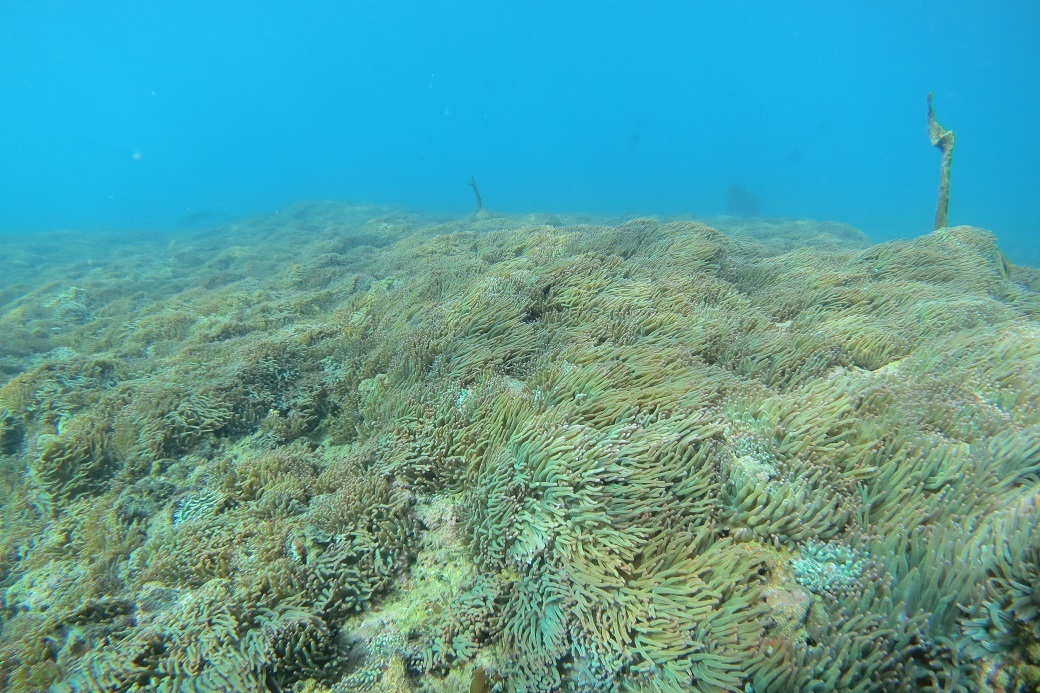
<point x="473" y="184"/>
<point x="943" y="139"/>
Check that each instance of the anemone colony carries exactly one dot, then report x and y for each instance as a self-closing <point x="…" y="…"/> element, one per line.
<point x="351" y="449"/>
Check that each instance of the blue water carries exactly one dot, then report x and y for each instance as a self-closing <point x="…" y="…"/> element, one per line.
<point x="159" y="114"/>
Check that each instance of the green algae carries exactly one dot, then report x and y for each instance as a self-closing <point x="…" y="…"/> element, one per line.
<point x="347" y="448"/>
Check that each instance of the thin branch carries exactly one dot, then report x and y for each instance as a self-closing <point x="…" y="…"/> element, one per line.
<point x="943" y="139"/>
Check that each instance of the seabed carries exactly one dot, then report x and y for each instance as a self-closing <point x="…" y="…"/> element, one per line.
<point x="351" y="448"/>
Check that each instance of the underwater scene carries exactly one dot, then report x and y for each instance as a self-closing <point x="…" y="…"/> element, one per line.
<point x="557" y="347"/>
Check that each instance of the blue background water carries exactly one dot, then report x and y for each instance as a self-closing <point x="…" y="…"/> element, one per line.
<point x="154" y="114"/>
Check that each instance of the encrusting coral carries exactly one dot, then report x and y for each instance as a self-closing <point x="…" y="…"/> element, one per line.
<point x="655" y="456"/>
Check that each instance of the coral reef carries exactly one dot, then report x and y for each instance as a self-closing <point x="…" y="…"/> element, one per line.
<point x="350" y="448"/>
